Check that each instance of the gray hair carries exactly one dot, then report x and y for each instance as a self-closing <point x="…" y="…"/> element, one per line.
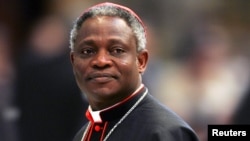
<point x="114" y="10"/>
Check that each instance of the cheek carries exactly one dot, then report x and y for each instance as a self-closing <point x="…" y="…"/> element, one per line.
<point x="125" y="63"/>
<point x="79" y="67"/>
<point x="129" y="66"/>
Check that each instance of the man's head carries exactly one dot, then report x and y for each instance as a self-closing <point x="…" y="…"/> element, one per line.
<point x="114" y="10"/>
<point x="108" y="53"/>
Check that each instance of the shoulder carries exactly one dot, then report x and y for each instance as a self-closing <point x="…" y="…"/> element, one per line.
<point x="153" y="108"/>
<point x="162" y="123"/>
<point x="79" y="134"/>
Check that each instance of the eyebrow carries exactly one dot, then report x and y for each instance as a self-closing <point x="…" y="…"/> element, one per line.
<point x="91" y="42"/>
<point x="88" y="42"/>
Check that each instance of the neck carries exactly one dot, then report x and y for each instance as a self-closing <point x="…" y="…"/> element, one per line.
<point x="111" y="103"/>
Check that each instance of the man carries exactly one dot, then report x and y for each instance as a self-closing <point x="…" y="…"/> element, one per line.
<point x="108" y="56"/>
<point x="9" y="113"/>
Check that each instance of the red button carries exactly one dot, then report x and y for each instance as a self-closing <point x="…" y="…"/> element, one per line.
<point x="97" y="128"/>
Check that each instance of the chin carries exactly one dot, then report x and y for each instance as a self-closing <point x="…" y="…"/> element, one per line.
<point x="103" y="92"/>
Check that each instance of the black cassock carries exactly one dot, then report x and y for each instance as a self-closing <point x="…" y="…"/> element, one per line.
<point x="147" y="121"/>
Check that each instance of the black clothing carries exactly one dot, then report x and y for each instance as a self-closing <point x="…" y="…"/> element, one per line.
<point x="242" y="113"/>
<point x="50" y="102"/>
<point x="149" y="121"/>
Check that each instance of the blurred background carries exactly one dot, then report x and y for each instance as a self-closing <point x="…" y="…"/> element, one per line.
<point x="199" y="64"/>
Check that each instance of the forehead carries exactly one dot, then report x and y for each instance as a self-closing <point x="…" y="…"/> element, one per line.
<point x="105" y="21"/>
<point x="106" y="25"/>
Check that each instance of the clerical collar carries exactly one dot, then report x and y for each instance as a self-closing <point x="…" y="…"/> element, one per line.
<point x="115" y="110"/>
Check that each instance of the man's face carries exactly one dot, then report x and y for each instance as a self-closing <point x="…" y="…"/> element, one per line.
<point x="106" y="64"/>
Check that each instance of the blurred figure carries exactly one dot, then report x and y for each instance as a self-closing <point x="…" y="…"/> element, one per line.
<point x="242" y="113"/>
<point x="156" y="65"/>
<point x="202" y="87"/>
<point x="8" y="112"/>
<point x="50" y="102"/>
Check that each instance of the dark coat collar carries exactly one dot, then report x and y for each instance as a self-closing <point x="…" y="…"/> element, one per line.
<point x="116" y="111"/>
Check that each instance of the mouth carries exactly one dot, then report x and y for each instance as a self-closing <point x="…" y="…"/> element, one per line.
<point x="101" y="77"/>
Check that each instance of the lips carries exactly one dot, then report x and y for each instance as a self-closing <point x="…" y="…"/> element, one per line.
<point x="101" y="77"/>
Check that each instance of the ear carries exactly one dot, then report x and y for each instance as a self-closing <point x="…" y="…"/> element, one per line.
<point x="72" y="59"/>
<point x="142" y="60"/>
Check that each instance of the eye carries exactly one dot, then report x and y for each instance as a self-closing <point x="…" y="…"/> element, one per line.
<point x="87" y="52"/>
<point x="117" y="50"/>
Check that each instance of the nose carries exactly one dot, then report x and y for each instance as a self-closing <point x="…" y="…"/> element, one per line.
<point x="101" y="60"/>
